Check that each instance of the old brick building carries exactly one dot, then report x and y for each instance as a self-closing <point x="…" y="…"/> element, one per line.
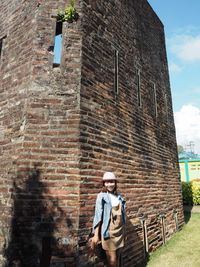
<point x="106" y="106"/>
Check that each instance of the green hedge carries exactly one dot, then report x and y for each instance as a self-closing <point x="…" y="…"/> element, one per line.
<point x="191" y="192"/>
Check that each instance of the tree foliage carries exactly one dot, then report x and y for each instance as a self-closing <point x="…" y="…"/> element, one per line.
<point x="180" y="149"/>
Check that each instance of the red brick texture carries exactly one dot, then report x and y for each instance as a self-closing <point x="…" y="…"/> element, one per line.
<point x="61" y="128"/>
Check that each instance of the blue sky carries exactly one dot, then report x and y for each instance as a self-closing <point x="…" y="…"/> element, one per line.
<point x="181" y="21"/>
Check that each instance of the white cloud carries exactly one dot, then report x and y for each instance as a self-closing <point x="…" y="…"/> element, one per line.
<point x="174" y="68"/>
<point x="187" y="122"/>
<point x="195" y="90"/>
<point x="185" y="47"/>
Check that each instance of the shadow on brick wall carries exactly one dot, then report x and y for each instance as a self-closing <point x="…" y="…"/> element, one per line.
<point x="32" y="236"/>
<point x="134" y="252"/>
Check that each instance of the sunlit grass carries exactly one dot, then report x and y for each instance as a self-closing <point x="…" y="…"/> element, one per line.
<point x="182" y="250"/>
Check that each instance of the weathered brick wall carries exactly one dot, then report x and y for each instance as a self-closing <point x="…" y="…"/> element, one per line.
<point x="15" y="71"/>
<point x="116" y="133"/>
<point x="39" y="135"/>
<point x="61" y="128"/>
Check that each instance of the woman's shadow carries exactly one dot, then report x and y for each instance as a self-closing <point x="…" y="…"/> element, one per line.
<point x="135" y="251"/>
<point x="32" y="224"/>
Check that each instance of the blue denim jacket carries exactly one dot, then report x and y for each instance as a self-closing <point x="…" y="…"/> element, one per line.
<point x="103" y="211"/>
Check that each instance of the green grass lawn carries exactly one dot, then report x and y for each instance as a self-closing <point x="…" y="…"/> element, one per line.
<point x="183" y="249"/>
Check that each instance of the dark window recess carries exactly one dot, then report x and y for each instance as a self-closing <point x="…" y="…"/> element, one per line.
<point x="166" y="107"/>
<point x="138" y="89"/>
<point x="46" y="252"/>
<point x="155" y="100"/>
<point x="57" y="49"/>
<point x="1" y="45"/>
<point x="116" y="72"/>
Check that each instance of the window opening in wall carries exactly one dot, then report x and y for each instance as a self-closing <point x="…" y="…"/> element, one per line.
<point x="116" y="71"/>
<point x="1" y="45"/>
<point x="145" y="236"/>
<point x="155" y="100"/>
<point x="57" y="51"/>
<point x="138" y="88"/>
<point x="166" y="106"/>
<point x="46" y="252"/>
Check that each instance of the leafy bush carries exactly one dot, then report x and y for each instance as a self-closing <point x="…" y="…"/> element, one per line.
<point x="187" y="193"/>
<point x="196" y="192"/>
<point x="191" y="192"/>
<point x="69" y="14"/>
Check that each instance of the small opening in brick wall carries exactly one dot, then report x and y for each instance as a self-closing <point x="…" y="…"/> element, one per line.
<point x="166" y="107"/>
<point x="155" y="100"/>
<point x="1" y="46"/>
<point x="57" y="51"/>
<point x="116" y="71"/>
<point x="46" y="252"/>
<point x="138" y="88"/>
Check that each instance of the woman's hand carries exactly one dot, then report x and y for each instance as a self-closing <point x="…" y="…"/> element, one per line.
<point x="94" y="241"/>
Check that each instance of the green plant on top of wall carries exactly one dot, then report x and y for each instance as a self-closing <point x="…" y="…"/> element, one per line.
<point x="69" y="14"/>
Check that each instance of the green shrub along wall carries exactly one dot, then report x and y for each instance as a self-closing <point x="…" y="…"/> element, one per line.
<point x="191" y="192"/>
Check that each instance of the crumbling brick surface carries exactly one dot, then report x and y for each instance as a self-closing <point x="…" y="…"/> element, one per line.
<point x="61" y="128"/>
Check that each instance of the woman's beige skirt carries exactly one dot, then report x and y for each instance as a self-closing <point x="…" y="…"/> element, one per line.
<point x="116" y="231"/>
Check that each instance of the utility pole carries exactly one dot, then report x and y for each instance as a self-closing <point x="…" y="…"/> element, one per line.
<point x="191" y="146"/>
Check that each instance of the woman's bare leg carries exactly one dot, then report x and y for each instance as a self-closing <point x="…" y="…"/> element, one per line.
<point x="111" y="258"/>
<point x="118" y="253"/>
<point x="114" y="258"/>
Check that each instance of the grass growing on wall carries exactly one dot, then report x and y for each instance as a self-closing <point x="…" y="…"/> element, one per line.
<point x="183" y="249"/>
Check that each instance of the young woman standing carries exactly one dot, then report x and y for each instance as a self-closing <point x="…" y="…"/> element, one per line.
<point x="109" y="220"/>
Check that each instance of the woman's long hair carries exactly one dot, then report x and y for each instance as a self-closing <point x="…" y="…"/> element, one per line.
<point x="104" y="189"/>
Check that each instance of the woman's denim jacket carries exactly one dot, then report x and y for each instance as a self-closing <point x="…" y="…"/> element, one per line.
<point x="103" y="212"/>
